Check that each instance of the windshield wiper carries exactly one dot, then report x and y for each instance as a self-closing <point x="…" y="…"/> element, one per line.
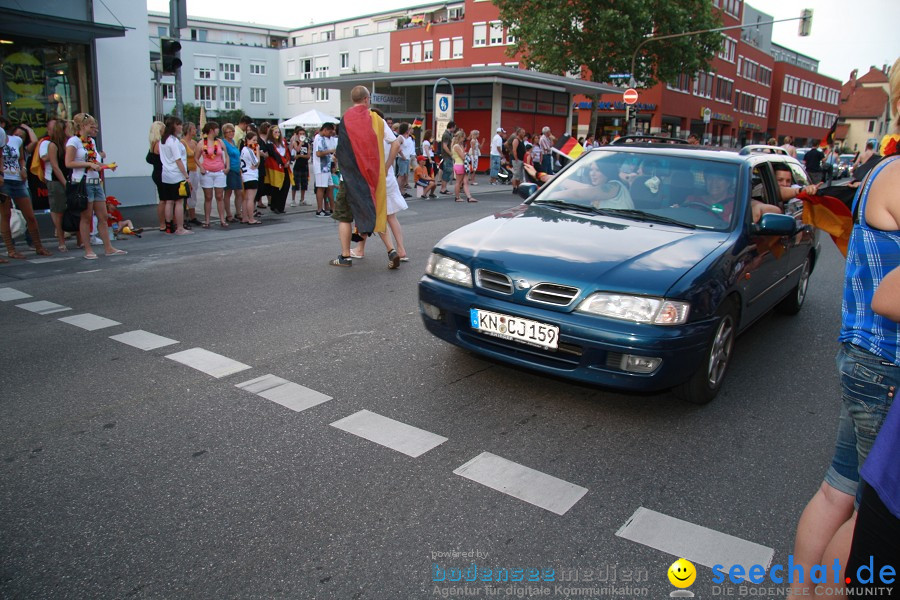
<point x="641" y="215"/>
<point x="569" y="205"/>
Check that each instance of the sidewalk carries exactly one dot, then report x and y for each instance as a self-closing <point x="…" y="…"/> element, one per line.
<point x="145" y="215"/>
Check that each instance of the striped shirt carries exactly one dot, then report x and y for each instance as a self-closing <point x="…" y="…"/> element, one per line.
<point x="871" y="255"/>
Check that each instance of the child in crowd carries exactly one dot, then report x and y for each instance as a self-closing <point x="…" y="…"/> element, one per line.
<point x="117" y="222"/>
<point x="335" y="180"/>
<point x="424" y="179"/>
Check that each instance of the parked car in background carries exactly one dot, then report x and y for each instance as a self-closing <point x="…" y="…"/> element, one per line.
<point x="845" y="166"/>
<point x="634" y="268"/>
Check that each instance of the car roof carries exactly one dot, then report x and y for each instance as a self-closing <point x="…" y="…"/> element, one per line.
<point x="698" y="152"/>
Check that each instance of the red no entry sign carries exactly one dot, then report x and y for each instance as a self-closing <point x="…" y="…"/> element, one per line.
<point x="630" y="96"/>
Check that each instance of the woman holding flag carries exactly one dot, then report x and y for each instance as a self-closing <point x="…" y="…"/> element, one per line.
<point x="279" y="175"/>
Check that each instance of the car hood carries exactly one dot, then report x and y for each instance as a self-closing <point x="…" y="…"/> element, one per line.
<point x="538" y="244"/>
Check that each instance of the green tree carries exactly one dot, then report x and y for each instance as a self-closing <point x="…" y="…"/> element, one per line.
<point x="596" y="38"/>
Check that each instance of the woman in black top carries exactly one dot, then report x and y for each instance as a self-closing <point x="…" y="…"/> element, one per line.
<point x="156" y="131"/>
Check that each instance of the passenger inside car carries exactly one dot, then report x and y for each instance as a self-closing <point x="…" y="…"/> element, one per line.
<point x="785" y="180"/>
<point x="760" y="203"/>
<point x="720" y="184"/>
<point x="601" y="187"/>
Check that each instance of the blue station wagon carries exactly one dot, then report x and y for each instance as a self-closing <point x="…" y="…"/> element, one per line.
<point x="634" y="268"/>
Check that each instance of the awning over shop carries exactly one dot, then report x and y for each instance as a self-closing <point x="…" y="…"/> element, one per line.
<point x="469" y="75"/>
<point x="55" y="29"/>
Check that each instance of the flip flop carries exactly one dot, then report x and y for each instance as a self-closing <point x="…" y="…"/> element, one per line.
<point x="43" y="252"/>
<point x="117" y="253"/>
<point x="17" y="255"/>
<point x="353" y="254"/>
<point x="90" y="257"/>
<point x="205" y="226"/>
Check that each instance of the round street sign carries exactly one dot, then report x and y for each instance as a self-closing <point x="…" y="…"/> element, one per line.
<point x="630" y="96"/>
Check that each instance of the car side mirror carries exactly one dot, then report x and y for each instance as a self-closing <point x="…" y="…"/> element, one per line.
<point x="774" y="224"/>
<point x="526" y="190"/>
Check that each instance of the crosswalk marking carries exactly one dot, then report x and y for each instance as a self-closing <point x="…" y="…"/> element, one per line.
<point x="143" y="340"/>
<point x="89" y="321"/>
<point x="44" y="261"/>
<point x="208" y="362"/>
<point x="8" y="293"/>
<point x="395" y="435"/>
<point x="696" y="543"/>
<point x="42" y="307"/>
<point x="286" y="393"/>
<point x="537" y="488"/>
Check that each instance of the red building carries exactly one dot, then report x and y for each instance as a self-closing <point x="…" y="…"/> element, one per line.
<point x="804" y="102"/>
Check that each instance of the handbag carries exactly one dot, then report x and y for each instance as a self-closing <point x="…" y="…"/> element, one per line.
<point x="76" y="195"/>
<point x="467" y="162"/>
<point x="16" y="223"/>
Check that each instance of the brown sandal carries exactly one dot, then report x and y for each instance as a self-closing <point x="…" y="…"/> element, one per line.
<point x="17" y="255"/>
<point x="42" y="252"/>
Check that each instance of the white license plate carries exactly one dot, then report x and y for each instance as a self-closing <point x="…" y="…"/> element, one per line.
<point x="515" y="328"/>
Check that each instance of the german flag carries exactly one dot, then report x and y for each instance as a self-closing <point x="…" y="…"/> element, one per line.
<point x="568" y="146"/>
<point x="360" y="155"/>
<point x="829" y="137"/>
<point x="417" y="122"/>
<point x="829" y="214"/>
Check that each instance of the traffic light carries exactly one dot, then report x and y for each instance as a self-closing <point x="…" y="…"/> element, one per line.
<point x="170" y="50"/>
<point x="806" y="16"/>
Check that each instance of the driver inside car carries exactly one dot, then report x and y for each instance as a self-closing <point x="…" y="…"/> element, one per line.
<point x="720" y="192"/>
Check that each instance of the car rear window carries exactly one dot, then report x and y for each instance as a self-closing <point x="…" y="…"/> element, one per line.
<point x="695" y="191"/>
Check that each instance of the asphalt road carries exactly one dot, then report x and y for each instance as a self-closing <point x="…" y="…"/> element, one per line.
<point x="128" y="474"/>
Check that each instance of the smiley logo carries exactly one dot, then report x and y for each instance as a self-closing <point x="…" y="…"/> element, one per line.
<point x="682" y="573"/>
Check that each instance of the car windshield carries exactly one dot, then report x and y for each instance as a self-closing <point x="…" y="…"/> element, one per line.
<point x="848" y="158"/>
<point x="688" y="191"/>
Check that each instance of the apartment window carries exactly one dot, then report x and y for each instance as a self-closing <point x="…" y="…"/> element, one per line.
<point x="765" y="75"/>
<point x="871" y="126"/>
<point x="456" y="13"/>
<point x="428" y="51"/>
<point x="162" y="31"/>
<point x="510" y="39"/>
<point x="345" y="60"/>
<point x="230" y="98"/>
<point x="703" y="85"/>
<point x="199" y="35"/>
<point x="379" y="52"/>
<point x="479" y="34"/>
<point x="732" y="7"/>
<point x="230" y="71"/>
<point x="257" y="68"/>
<point x="803" y="115"/>
<point x="682" y="83"/>
<point x="346" y="32"/>
<point x="321" y="73"/>
<point x="751" y="69"/>
<point x="791" y="84"/>
<point x="205" y="95"/>
<point x="292" y="68"/>
<point x="806" y="89"/>
<point x="293" y="95"/>
<point x="306" y="68"/>
<point x="296" y="41"/>
<point x="359" y="30"/>
<point x="729" y="45"/>
<point x="514" y="65"/>
<point x="724" y="89"/>
<point x="168" y="91"/>
<point x="762" y="106"/>
<point x="203" y="73"/>
<point x="315" y="38"/>
<point x="327" y="36"/>
<point x="445" y="49"/>
<point x="257" y="95"/>
<point x="457" y="47"/>
<point x="404" y="53"/>
<point x="496" y="33"/>
<point x="417" y="52"/>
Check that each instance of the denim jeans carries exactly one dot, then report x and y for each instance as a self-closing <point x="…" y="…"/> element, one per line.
<point x="868" y="385"/>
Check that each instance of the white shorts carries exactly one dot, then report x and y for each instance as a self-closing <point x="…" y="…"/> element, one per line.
<point x="212" y="179"/>
<point x="323" y="180"/>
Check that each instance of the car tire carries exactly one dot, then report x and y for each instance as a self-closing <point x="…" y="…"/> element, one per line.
<point x="792" y="304"/>
<point x="705" y="383"/>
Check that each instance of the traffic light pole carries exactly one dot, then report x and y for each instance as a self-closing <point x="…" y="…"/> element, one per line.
<point x="176" y="11"/>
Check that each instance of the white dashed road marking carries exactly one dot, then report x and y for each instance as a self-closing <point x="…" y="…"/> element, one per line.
<point x="89" y="321"/>
<point x="698" y="544"/>
<point x="143" y="340"/>
<point x="286" y="393"/>
<point x="42" y="307"/>
<point x="7" y="294"/>
<point x="398" y="436"/>
<point x="546" y="491"/>
<point x="44" y="261"/>
<point x="208" y="362"/>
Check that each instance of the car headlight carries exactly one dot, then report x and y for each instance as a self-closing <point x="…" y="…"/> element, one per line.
<point x="639" y="309"/>
<point x="447" y="269"/>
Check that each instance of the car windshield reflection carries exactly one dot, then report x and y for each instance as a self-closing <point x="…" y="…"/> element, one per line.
<point x="678" y="190"/>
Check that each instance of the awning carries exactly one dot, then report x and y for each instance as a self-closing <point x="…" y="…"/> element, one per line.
<point x="55" y="29"/>
<point x="467" y="76"/>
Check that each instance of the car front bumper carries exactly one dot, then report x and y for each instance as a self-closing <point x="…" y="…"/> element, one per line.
<point x="591" y="348"/>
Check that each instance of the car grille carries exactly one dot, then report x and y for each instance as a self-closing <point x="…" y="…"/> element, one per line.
<point x="551" y="293"/>
<point x="491" y="280"/>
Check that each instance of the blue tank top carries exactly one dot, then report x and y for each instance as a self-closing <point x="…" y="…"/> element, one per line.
<point x="234" y="155"/>
<point x="871" y="254"/>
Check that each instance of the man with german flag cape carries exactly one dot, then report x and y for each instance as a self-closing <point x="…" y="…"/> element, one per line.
<point x="362" y="195"/>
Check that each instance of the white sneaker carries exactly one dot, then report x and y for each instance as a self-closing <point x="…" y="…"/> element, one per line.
<point x="293" y="204"/>
<point x="95" y="241"/>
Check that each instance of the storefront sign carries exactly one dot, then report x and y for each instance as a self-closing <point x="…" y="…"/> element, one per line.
<point x="24" y="80"/>
<point x="388" y="99"/>
<point x="746" y="125"/>
<point x="618" y="105"/>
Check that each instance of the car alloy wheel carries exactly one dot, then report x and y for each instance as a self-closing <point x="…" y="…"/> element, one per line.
<point x="720" y="351"/>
